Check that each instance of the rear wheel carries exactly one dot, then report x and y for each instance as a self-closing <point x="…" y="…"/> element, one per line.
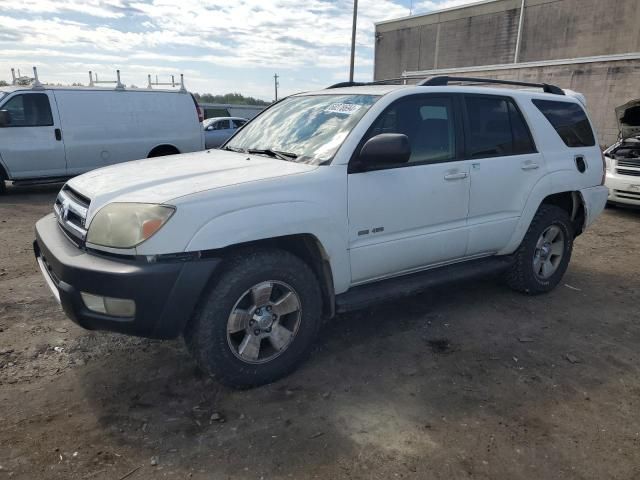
<point x="163" y="151"/>
<point x="3" y="185"/>
<point x="259" y="321"/>
<point x="544" y="254"/>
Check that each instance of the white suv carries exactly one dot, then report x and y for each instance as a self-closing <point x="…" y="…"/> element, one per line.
<point x="326" y="202"/>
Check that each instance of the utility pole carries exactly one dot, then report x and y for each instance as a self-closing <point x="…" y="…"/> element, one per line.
<point x="353" y="39"/>
<point x="276" y="84"/>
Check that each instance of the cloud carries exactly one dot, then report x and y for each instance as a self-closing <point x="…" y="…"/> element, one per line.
<point x="209" y="37"/>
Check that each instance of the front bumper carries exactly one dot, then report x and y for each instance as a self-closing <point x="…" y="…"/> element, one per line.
<point x="165" y="292"/>
<point x="623" y="189"/>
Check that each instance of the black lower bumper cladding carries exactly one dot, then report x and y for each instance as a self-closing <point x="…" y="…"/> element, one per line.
<point x="165" y="292"/>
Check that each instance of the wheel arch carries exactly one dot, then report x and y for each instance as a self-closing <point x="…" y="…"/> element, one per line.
<point x="305" y="246"/>
<point x="163" y="149"/>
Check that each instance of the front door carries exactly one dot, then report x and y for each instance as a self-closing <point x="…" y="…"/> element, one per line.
<point x="31" y="145"/>
<point x="410" y="217"/>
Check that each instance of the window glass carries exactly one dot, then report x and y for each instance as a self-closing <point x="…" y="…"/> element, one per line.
<point x="489" y="132"/>
<point x="428" y="122"/>
<point x="569" y="120"/>
<point x="522" y="140"/>
<point x="311" y="127"/>
<point x="238" y="123"/>
<point x="29" y="110"/>
<point x="222" y="125"/>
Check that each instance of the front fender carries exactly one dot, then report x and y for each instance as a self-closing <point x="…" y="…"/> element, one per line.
<point x="279" y="219"/>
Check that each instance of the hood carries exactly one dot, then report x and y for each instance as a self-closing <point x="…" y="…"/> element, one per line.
<point x="159" y="180"/>
<point x="628" y="116"/>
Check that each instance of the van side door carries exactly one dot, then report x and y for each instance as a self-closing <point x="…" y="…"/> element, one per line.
<point x="31" y="144"/>
<point x="505" y="167"/>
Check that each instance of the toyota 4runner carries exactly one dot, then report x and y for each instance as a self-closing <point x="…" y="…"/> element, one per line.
<point x="325" y="202"/>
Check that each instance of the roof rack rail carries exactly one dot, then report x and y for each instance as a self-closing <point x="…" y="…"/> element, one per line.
<point x="444" y="80"/>
<point x="386" y="81"/>
<point x="24" y="80"/>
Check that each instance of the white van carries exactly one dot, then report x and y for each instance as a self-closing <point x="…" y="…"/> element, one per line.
<point x="50" y="133"/>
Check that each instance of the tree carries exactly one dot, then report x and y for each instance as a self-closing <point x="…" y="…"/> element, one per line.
<point x="3" y="83"/>
<point x="232" y="98"/>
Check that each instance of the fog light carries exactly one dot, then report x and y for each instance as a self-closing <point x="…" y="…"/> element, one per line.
<point x="117" y="307"/>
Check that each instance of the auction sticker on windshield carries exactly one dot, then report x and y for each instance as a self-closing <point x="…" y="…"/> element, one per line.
<point x="345" y="108"/>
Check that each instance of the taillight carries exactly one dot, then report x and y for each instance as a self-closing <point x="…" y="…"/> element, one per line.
<point x="198" y="109"/>
<point x="604" y="168"/>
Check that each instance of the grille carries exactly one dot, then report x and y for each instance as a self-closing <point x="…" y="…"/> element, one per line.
<point x="71" y="211"/>
<point x="629" y="162"/>
<point x="625" y="171"/>
<point x="627" y="194"/>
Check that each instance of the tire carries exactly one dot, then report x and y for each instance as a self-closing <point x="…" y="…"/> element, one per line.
<point x="525" y="274"/>
<point x="221" y="354"/>
<point x="163" y="151"/>
<point x="3" y="185"/>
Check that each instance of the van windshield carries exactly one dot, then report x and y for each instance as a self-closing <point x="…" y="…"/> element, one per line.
<point x="305" y="129"/>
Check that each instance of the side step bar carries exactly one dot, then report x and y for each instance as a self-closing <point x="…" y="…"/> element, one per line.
<point x="406" y="285"/>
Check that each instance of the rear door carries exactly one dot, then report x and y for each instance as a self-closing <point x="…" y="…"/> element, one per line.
<point x="505" y="166"/>
<point x="412" y="216"/>
<point x="31" y="146"/>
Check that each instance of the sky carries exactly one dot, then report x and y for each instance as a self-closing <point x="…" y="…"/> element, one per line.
<point x="221" y="46"/>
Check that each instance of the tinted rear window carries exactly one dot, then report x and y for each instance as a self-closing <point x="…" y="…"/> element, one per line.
<point x="569" y="120"/>
<point x="496" y="128"/>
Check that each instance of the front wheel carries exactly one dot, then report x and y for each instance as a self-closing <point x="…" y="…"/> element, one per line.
<point x="543" y="256"/>
<point x="258" y="322"/>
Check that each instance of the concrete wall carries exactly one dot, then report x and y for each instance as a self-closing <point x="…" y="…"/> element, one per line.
<point x="485" y="35"/>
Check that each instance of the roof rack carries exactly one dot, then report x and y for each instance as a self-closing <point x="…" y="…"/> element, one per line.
<point x="172" y="83"/>
<point x="93" y="82"/>
<point x="444" y="80"/>
<point x="24" y="80"/>
<point x="386" y="81"/>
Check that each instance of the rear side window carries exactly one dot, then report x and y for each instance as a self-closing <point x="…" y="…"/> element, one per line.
<point x="495" y="128"/>
<point x="569" y="120"/>
<point x="238" y="123"/>
<point x="29" y="110"/>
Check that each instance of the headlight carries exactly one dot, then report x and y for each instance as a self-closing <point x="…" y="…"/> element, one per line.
<point x="125" y="225"/>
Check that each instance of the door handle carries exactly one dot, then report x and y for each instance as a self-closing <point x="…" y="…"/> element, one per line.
<point x="58" y="134"/>
<point x="456" y="176"/>
<point x="530" y="166"/>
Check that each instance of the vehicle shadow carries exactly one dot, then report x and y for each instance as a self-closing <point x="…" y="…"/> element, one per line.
<point x="471" y="368"/>
<point x="30" y="194"/>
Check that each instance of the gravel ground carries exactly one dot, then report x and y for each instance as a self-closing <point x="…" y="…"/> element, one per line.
<point x="471" y="381"/>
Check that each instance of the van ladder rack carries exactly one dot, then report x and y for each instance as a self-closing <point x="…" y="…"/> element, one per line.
<point x="93" y="82"/>
<point x="172" y="83"/>
<point x="24" y="80"/>
<point x="444" y="80"/>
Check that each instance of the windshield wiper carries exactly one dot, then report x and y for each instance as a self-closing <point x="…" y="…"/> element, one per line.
<point x="235" y="149"/>
<point x="273" y="153"/>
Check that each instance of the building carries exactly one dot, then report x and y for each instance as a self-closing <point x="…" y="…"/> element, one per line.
<point x="230" y="110"/>
<point x="590" y="46"/>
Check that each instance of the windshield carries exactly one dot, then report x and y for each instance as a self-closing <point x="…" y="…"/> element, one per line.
<point x="305" y="129"/>
<point x="2" y="95"/>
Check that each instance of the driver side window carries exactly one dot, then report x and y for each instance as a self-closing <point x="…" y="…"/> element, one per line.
<point x="429" y="124"/>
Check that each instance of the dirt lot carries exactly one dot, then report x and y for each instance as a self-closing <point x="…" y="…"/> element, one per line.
<point x="473" y="381"/>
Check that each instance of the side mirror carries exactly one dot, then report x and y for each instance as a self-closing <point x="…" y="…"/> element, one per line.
<point x="5" y="118"/>
<point x="209" y="128"/>
<point x="385" y="150"/>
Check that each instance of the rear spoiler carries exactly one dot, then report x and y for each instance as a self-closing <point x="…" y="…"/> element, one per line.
<point x="577" y="95"/>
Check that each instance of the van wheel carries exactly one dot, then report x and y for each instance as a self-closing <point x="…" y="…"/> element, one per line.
<point x="3" y="185"/>
<point x="259" y="321"/>
<point x="543" y="256"/>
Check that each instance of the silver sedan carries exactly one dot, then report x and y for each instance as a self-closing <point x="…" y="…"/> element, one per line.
<point x="218" y="129"/>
